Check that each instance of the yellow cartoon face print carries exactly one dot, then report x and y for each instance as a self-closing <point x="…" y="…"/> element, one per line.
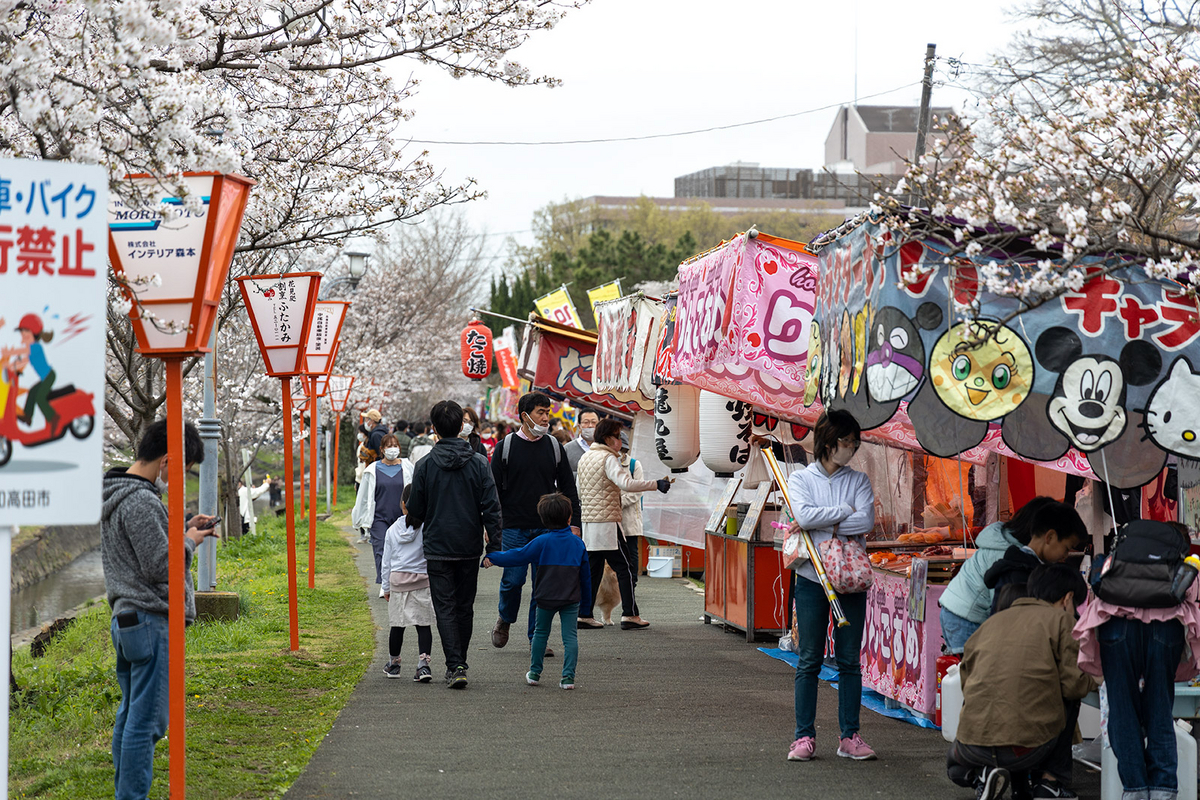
<point x="981" y="381"/>
<point x="812" y="372"/>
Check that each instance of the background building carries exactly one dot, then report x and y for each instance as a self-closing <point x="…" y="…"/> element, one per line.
<point x="875" y="139"/>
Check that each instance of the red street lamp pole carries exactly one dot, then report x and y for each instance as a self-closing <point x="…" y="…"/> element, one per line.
<point x="181" y="290"/>
<point x="281" y="310"/>
<point x="319" y="355"/>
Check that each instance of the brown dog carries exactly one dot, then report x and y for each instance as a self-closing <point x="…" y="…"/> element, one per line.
<point x="608" y="598"/>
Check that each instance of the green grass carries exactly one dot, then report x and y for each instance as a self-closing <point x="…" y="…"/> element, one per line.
<point x="255" y="711"/>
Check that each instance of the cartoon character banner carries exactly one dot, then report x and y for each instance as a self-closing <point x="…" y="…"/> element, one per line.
<point x="743" y="319"/>
<point x="564" y="366"/>
<point x="1099" y="382"/>
<point x="627" y="327"/>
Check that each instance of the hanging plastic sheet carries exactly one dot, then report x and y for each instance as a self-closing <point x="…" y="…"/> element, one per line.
<point x="629" y="328"/>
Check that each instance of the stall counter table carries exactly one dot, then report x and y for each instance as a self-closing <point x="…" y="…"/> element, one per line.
<point x="743" y="585"/>
<point x="899" y="655"/>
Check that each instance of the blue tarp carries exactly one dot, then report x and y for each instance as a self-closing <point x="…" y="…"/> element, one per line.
<point x="870" y="698"/>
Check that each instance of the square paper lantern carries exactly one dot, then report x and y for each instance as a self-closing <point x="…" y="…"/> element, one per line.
<point x="322" y="382"/>
<point x="172" y="261"/>
<point x="323" y="336"/>
<point x="280" y="309"/>
<point x="339" y="391"/>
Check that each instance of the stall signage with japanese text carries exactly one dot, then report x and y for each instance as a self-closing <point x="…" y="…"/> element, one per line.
<point x="52" y="321"/>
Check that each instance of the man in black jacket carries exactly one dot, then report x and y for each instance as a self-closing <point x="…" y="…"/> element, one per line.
<point x="527" y="465"/>
<point x="454" y="494"/>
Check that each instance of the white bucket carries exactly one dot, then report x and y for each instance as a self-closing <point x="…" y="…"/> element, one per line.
<point x="952" y="701"/>
<point x="659" y="566"/>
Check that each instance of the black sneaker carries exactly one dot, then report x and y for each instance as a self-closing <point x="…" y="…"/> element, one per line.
<point x="392" y="670"/>
<point x="424" y="673"/>
<point x="449" y="676"/>
<point x="992" y="783"/>
<point x="1045" y="788"/>
<point x="459" y="679"/>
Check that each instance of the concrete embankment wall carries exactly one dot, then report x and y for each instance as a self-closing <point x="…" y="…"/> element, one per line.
<point x="51" y="549"/>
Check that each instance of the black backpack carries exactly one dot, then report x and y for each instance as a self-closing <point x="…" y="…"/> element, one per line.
<point x="1142" y="569"/>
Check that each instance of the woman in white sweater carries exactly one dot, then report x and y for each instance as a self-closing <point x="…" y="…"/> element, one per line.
<point x="601" y="479"/>
<point x="830" y="499"/>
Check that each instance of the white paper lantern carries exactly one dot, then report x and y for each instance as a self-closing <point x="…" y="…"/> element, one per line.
<point x="724" y="433"/>
<point x="677" y="425"/>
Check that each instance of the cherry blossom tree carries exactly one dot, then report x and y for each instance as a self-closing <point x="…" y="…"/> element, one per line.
<point x="308" y="97"/>
<point x="1047" y="199"/>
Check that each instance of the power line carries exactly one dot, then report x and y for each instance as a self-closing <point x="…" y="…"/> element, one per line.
<point x="665" y="135"/>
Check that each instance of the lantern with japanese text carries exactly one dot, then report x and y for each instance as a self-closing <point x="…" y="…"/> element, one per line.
<point x="677" y="425"/>
<point x="281" y="308"/>
<point x="725" y="433"/>
<point x="476" y="351"/>
<point x="171" y="257"/>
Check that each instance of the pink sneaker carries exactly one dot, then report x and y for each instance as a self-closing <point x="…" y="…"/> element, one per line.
<point x="854" y="747"/>
<point x="802" y="749"/>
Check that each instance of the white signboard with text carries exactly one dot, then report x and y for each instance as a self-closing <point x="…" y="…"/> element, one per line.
<point x="53" y="293"/>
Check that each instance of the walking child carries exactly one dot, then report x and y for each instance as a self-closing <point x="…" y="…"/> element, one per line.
<point x="563" y="578"/>
<point x="407" y="590"/>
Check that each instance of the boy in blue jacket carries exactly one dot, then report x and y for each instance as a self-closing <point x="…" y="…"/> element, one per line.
<point x="563" y="579"/>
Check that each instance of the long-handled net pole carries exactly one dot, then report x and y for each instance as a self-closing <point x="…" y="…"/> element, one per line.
<point x="813" y="556"/>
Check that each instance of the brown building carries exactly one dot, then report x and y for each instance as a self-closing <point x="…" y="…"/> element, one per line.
<point x="876" y="140"/>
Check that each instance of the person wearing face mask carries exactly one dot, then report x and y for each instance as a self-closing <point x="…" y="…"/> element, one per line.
<point x="602" y="480"/>
<point x="377" y="504"/>
<point x="470" y="431"/>
<point x="586" y="421"/>
<point x="830" y="500"/>
<point x="527" y="465"/>
<point x="135" y="534"/>
<point x="364" y="457"/>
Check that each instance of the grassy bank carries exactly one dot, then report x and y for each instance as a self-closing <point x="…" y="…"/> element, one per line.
<point x="255" y="711"/>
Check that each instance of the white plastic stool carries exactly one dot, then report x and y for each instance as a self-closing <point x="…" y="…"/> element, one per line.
<point x="1185" y="747"/>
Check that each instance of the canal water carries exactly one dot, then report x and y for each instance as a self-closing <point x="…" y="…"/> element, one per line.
<point x="59" y="592"/>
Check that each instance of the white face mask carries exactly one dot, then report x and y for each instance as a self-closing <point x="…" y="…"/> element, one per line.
<point x="466" y="430"/>
<point x="587" y="434"/>
<point x="159" y="483"/>
<point x="391" y="453"/>
<point x="536" y="430"/>
<point x="843" y="455"/>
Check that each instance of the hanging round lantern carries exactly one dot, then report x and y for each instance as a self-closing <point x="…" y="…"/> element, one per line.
<point x="476" y="351"/>
<point x="677" y="425"/>
<point x="725" y="437"/>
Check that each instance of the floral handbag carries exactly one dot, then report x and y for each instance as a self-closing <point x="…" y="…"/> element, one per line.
<point x="846" y="565"/>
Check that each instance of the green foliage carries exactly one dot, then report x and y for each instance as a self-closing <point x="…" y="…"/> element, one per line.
<point x="255" y="711"/>
<point x="584" y="246"/>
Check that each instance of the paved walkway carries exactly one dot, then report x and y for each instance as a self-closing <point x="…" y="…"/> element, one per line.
<point x="680" y="709"/>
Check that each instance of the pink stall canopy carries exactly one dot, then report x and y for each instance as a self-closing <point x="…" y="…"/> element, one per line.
<point x="742" y="321"/>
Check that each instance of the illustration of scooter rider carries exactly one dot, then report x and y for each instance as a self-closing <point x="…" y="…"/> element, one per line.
<point x="31" y="352"/>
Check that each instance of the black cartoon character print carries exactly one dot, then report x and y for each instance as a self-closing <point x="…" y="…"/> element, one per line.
<point x="1088" y="403"/>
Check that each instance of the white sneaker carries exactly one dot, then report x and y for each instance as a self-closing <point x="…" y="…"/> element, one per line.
<point x="381" y="592"/>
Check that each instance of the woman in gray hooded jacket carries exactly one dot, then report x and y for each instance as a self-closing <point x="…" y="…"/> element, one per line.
<point x="967" y="602"/>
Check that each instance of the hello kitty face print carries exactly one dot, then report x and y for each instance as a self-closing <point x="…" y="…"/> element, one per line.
<point x="1171" y="422"/>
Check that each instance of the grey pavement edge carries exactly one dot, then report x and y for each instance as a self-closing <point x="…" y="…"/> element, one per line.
<point x="681" y="709"/>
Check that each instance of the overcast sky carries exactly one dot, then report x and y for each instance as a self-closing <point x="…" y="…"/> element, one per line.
<point x="638" y="67"/>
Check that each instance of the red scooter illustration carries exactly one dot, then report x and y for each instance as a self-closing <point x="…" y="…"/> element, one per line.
<point x="75" y="409"/>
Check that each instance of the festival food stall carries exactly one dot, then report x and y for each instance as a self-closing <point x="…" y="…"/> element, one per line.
<point x="1097" y="383"/>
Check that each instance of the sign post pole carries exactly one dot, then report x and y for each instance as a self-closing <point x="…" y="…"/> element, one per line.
<point x="7" y="532"/>
<point x="177" y="725"/>
<point x="312" y="483"/>
<point x="290" y="505"/>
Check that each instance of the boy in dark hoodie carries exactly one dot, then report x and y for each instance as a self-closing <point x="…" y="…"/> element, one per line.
<point x="453" y="491"/>
<point x="563" y="580"/>
<point x="1056" y="531"/>
<point x="133" y="547"/>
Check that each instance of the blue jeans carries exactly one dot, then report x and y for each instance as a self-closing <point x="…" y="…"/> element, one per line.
<point x="142" y="715"/>
<point x="956" y="631"/>
<point x="812" y="620"/>
<point x="1130" y="651"/>
<point x="568" y="617"/>
<point x="514" y="577"/>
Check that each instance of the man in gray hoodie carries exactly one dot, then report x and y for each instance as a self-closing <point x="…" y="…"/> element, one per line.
<point x="133" y="547"/>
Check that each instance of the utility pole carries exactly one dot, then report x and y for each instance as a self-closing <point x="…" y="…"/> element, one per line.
<point x="926" y="95"/>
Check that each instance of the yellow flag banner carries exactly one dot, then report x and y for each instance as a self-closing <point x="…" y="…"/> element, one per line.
<point x="607" y="291"/>
<point x="558" y="307"/>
